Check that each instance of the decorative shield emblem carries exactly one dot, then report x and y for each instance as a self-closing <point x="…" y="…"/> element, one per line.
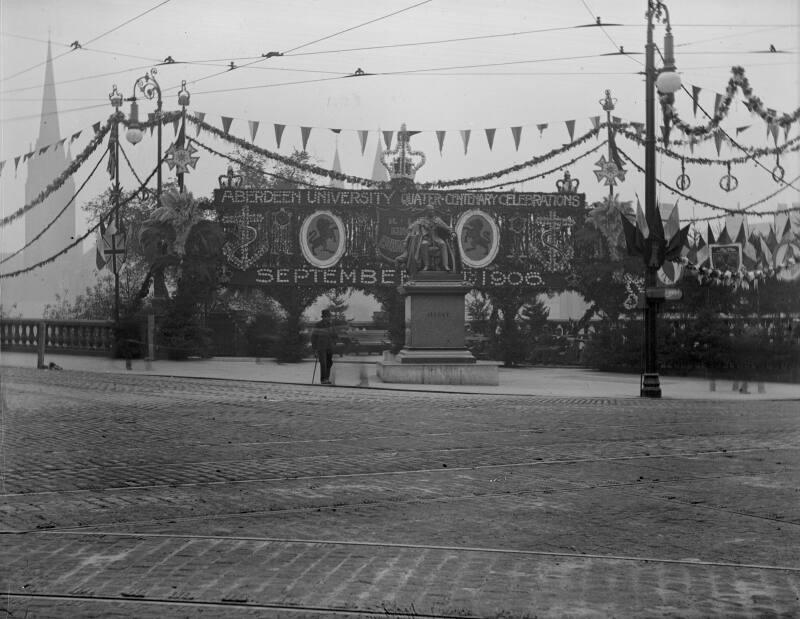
<point x="392" y="231"/>
<point x="478" y="237"/>
<point x="322" y="238"/>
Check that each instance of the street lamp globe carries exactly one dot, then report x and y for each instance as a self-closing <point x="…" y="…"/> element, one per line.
<point x="134" y="134"/>
<point x="668" y="82"/>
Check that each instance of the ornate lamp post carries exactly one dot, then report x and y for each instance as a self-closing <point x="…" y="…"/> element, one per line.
<point x="667" y="82"/>
<point x="149" y="88"/>
<point x="115" y="97"/>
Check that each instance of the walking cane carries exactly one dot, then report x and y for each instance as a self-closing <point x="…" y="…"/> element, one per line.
<point x="314" y="373"/>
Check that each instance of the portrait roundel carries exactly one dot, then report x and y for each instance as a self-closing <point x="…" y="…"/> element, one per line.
<point x="322" y="239"/>
<point x="478" y="237"/>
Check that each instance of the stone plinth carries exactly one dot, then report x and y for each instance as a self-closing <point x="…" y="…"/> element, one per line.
<point x="391" y="370"/>
<point x="435" y="351"/>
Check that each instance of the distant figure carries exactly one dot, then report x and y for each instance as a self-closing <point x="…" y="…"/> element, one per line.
<point x="427" y="234"/>
<point x="323" y="337"/>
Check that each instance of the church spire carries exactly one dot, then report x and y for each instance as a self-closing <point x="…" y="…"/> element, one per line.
<point x="49" y="130"/>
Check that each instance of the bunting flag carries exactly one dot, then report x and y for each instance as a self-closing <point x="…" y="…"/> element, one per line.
<point x="387" y="138"/>
<point x="703" y="251"/>
<point x="742" y="129"/>
<point x="305" y="133"/>
<point x="639" y="128"/>
<point x="379" y="172"/>
<point x="718" y="140"/>
<point x="490" y="137"/>
<point x="733" y="225"/>
<point x="541" y="128"/>
<point x="16" y="164"/>
<point x="96" y="127"/>
<point x="75" y="136"/>
<point x="774" y="128"/>
<point x="786" y="130"/>
<point x="362" y="136"/>
<point x="279" y="133"/>
<point x="440" y="138"/>
<point x="695" y="99"/>
<point x="27" y="156"/>
<point x="710" y="234"/>
<point x="99" y="256"/>
<point x="673" y="225"/>
<point x="336" y="131"/>
<point x="201" y="117"/>
<point x="570" y="129"/>
<point x="61" y="142"/>
<point x="226" y="123"/>
<point x="43" y="150"/>
<point x="2" y="165"/>
<point x="176" y="126"/>
<point x="253" y="124"/>
<point x="465" y="133"/>
<point x="595" y="121"/>
<point x="616" y="120"/>
<point x="517" y="133"/>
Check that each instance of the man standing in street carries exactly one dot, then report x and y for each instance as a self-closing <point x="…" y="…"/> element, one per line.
<point x="323" y="337"/>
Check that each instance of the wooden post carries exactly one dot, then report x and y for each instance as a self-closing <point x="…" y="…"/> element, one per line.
<point x="41" y="341"/>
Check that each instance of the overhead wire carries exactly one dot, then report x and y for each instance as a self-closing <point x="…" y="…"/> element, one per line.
<point x="92" y="40"/>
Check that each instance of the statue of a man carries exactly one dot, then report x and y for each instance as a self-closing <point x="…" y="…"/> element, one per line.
<point x="427" y="235"/>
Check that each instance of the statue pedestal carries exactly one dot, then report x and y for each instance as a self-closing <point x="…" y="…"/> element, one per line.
<point x="434" y="351"/>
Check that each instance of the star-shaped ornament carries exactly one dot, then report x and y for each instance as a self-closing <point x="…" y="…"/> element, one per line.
<point x="609" y="171"/>
<point x="181" y="158"/>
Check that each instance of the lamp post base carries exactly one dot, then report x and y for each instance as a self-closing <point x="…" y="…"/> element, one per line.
<point x="651" y="386"/>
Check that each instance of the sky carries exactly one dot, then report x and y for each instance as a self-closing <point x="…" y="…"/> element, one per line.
<point x="437" y="65"/>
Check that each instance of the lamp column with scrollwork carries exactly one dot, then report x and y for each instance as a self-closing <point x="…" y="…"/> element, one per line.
<point x="149" y="88"/>
<point x="667" y="81"/>
<point x="116" y="102"/>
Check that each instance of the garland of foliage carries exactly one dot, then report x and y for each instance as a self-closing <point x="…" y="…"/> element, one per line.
<point x="792" y="145"/>
<point x="59" y="214"/>
<point x="738" y="80"/>
<point x="543" y="174"/>
<point x="89" y="232"/>
<point x="311" y="169"/>
<point x="56" y="184"/>
<point x="244" y="164"/>
<point x="708" y="204"/>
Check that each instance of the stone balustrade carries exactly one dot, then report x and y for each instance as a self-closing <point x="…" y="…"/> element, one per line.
<point x="83" y="337"/>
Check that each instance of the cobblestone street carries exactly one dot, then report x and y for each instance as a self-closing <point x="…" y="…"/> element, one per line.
<point x="146" y="496"/>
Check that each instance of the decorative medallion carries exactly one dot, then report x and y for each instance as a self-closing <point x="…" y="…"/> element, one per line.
<point x="609" y="171"/>
<point x="181" y="158"/>
<point x="551" y="242"/>
<point x="478" y="237"/>
<point x="728" y="182"/>
<point x="322" y="239"/>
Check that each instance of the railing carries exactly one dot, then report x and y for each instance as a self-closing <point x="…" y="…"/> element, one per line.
<point x="82" y="337"/>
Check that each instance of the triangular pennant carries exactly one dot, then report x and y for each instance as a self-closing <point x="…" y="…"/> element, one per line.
<point x="27" y="156"/>
<point x="641" y="220"/>
<point x="718" y="139"/>
<point x="336" y="131"/>
<point x="99" y="257"/>
<point x="362" y="136"/>
<point x="61" y="142"/>
<point x="226" y="123"/>
<point x="595" y="121"/>
<point x="387" y="138"/>
<point x="571" y="129"/>
<point x="305" y="133"/>
<point x="775" y="129"/>
<point x="717" y="101"/>
<point x="786" y="130"/>
<point x="176" y="124"/>
<point x="639" y="128"/>
<point x="96" y="127"/>
<point x="43" y="150"/>
<point x="379" y="172"/>
<point x="541" y="127"/>
<point x="75" y="136"/>
<point x="16" y="163"/>
<point x="2" y="165"/>
<point x="634" y="240"/>
<point x="517" y="133"/>
<point x="440" y="138"/>
<point x="695" y="98"/>
<point x="279" y="133"/>
<point x="673" y="224"/>
<point x="616" y="120"/>
<point x="253" y="124"/>
<point x="665" y="130"/>
<point x="711" y="240"/>
<point x="465" y="133"/>
<point x="201" y="117"/>
<point x="741" y="129"/>
<point x="490" y="137"/>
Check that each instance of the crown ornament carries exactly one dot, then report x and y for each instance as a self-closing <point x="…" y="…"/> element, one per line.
<point x="401" y="162"/>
